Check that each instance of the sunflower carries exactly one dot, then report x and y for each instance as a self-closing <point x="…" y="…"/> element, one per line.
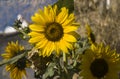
<point x="17" y="69"/>
<point x="90" y="34"/>
<point x="51" y="30"/>
<point x="100" y="62"/>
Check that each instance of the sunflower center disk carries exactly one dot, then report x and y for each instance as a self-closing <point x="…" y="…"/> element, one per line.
<point x="99" y="68"/>
<point x="21" y="63"/>
<point x="54" y="31"/>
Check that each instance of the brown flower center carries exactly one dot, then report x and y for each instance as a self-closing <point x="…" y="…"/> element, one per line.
<point x="21" y="63"/>
<point x="54" y="31"/>
<point x="99" y="68"/>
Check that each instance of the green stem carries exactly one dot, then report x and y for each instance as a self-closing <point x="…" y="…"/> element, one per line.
<point x="12" y="60"/>
<point x="64" y="57"/>
<point x="21" y="31"/>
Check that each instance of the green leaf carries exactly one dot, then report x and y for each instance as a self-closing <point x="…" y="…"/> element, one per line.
<point x="12" y="60"/>
<point x="66" y="3"/>
<point x="50" y="71"/>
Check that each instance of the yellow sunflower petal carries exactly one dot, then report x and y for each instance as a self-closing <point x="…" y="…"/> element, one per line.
<point x="48" y="49"/>
<point x="17" y="74"/>
<point x="55" y="10"/>
<point x="69" y="38"/>
<point x="42" y="43"/>
<point x="39" y="19"/>
<point x="14" y="73"/>
<point x="46" y="13"/>
<point x="23" y="74"/>
<point x="9" y="67"/>
<point x="52" y="48"/>
<point x="36" y="27"/>
<point x="69" y="20"/>
<point x="35" y="39"/>
<point x="67" y="44"/>
<point x="7" y="56"/>
<point x="62" y="16"/>
<point x="35" y="34"/>
<point x="52" y="15"/>
<point x="63" y="47"/>
<point x="57" y="48"/>
<point x="68" y="29"/>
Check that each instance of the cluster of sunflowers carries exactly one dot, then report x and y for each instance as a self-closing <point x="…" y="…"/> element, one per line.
<point x="58" y="52"/>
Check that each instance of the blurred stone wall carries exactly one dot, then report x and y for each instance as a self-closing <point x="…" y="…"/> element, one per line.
<point x="103" y="17"/>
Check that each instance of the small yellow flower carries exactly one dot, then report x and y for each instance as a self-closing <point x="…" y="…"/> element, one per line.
<point x="100" y="62"/>
<point x="51" y="30"/>
<point x="90" y="35"/>
<point x="17" y="69"/>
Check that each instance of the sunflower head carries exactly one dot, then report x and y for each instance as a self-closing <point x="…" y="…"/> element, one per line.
<point x="100" y="62"/>
<point x="51" y="30"/>
<point x="90" y="34"/>
<point x="17" y="69"/>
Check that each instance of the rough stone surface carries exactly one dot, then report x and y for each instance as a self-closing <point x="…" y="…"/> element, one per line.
<point x="104" y="20"/>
